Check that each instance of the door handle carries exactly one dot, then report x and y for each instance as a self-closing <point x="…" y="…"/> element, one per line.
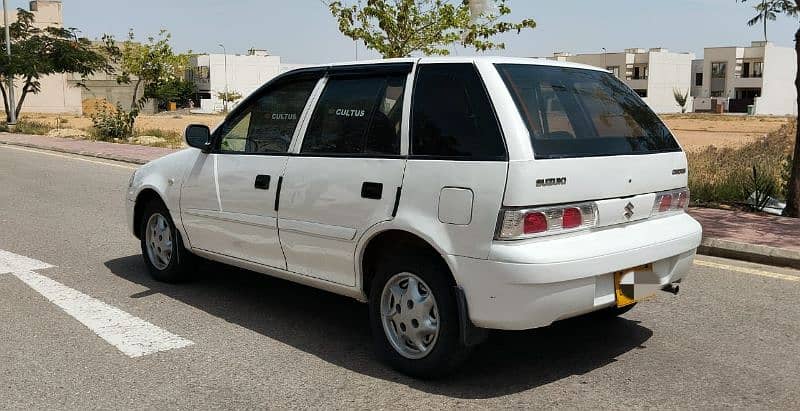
<point x="262" y="182"/>
<point x="373" y="191"/>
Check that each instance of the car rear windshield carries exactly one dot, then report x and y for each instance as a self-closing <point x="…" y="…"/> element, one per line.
<point x="581" y="113"/>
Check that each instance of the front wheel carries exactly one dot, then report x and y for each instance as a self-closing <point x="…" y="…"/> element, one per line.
<point x="414" y="317"/>
<point x="162" y="248"/>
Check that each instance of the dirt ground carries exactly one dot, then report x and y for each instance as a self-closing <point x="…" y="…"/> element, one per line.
<point x="176" y="121"/>
<point x="694" y="131"/>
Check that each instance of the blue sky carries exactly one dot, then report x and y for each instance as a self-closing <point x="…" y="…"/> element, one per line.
<point x="302" y="31"/>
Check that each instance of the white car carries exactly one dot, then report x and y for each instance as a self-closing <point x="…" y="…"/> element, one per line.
<point x="454" y="195"/>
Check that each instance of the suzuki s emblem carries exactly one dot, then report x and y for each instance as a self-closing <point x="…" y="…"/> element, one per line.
<point x="629" y="210"/>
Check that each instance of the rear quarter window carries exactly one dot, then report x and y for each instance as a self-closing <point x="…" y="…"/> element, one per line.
<point x="573" y="112"/>
<point x="452" y="116"/>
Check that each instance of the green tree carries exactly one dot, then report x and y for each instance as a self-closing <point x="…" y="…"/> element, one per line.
<point x="398" y="28"/>
<point x="37" y="52"/>
<point x="229" y="96"/>
<point x="681" y="98"/>
<point x="177" y="89"/>
<point x="768" y="10"/>
<point x="149" y="64"/>
<point x="791" y="8"/>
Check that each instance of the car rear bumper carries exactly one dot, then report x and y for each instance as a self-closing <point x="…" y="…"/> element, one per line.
<point x="531" y="283"/>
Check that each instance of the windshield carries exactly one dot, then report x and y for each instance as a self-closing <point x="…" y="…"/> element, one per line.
<point x="580" y="113"/>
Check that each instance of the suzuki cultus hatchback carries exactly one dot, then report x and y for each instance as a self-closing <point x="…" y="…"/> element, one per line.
<point x="454" y="195"/>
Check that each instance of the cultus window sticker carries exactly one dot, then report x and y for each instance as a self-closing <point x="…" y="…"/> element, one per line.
<point x="284" y="116"/>
<point x="343" y="112"/>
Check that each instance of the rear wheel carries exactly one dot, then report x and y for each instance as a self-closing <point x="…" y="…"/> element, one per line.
<point x="414" y="316"/>
<point x="162" y="248"/>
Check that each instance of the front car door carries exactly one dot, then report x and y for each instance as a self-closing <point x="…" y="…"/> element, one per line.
<point x="250" y="154"/>
<point x="347" y="172"/>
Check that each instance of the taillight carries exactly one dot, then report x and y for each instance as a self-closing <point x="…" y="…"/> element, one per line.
<point x="665" y="204"/>
<point x="571" y="218"/>
<point x="525" y="223"/>
<point x="535" y="223"/>
<point x="670" y="202"/>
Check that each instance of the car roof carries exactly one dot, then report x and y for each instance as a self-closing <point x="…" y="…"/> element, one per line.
<point x="465" y="59"/>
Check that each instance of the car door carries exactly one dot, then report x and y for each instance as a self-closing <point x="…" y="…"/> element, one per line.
<point x="347" y="172"/>
<point x="250" y="154"/>
<point x="457" y="162"/>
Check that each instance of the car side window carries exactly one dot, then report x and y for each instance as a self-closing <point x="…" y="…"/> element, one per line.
<point x="452" y="116"/>
<point x="267" y="125"/>
<point x="357" y="115"/>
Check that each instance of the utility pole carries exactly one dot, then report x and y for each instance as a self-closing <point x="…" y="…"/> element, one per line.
<point x="12" y="116"/>
<point x="227" y="95"/>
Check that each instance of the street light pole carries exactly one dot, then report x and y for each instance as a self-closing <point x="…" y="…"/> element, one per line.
<point x="12" y="116"/>
<point x="224" y="100"/>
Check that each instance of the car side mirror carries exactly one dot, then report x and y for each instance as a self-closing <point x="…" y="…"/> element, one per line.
<point x="198" y="136"/>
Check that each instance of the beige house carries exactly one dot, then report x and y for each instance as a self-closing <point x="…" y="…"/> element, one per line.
<point x="61" y="92"/>
<point x="759" y="77"/>
<point x="58" y="95"/>
<point x="653" y="73"/>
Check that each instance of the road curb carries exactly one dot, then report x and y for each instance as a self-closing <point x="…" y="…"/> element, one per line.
<point x="105" y="156"/>
<point x="761" y="254"/>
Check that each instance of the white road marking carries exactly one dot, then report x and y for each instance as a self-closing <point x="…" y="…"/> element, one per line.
<point x="131" y="335"/>
<point x="747" y="270"/>
<point x="72" y="157"/>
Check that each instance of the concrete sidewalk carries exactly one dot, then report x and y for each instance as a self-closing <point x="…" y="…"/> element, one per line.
<point x="113" y="151"/>
<point x="730" y="234"/>
<point x="759" y="238"/>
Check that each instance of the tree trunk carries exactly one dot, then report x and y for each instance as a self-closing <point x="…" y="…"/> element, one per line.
<point x="764" y="5"/>
<point x="25" y="89"/>
<point x="793" y="197"/>
<point x="5" y="102"/>
<point x="134" y="105"/>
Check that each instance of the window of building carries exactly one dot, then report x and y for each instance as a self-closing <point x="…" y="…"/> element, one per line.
<point x="614" y="70"/>
<point x="357" y="115"/>
<point x="745" y="70"/>
<point x="698" y="79"/>
<point x="641" y="92"/>
<point x="452" y="116"/>
<point x="719" y="70"/>
<point x="640" y="72"/>
<point x="267" y="124"/>
<point x="758" y="69"/>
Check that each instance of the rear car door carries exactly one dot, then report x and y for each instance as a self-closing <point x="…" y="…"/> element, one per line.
<point x="347" y="173"/>
<point x="251" y="151"/>
<point x="456" y="172"/>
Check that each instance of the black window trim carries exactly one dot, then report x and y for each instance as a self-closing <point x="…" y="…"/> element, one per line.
<point x="412" y="156"/>
<point x="314" y="73"/>
<point x="360" y="71"/>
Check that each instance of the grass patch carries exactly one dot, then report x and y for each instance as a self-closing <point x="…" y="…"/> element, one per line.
<point x="157" y="137"/>
<point x="720" y="175"/>
<point x="32" y="127"/>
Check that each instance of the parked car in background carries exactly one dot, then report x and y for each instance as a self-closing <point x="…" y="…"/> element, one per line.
<point x="454" y="195"/>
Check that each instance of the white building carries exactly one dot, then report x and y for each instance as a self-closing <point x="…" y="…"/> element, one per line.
<point x="654" y="74"/>
<point x="242" y="74"/>
<point x="761" y="75"/>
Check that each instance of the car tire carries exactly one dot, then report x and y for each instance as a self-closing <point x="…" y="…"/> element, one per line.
<point x="162" y="246"/>
<point x="398" y="345"/>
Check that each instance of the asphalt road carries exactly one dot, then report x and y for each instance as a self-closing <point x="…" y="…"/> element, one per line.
<point x="729" y="339"/>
